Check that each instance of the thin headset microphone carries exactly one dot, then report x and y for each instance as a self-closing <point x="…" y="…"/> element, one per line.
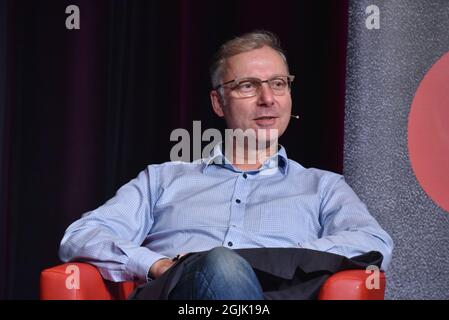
<point x="294" y="116"/>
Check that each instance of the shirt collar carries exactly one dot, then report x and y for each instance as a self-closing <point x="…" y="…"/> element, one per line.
<point x="217" y="157"/>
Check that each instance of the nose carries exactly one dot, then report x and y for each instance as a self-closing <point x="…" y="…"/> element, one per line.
<point x="265" y="97"/>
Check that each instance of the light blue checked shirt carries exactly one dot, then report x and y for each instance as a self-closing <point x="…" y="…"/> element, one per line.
<point x="179" y="207"/>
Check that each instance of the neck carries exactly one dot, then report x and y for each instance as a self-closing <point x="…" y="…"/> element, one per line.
<point x="248" y="158"/>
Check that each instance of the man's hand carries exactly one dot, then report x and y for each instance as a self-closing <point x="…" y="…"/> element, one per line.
<point x="160" y="266"/>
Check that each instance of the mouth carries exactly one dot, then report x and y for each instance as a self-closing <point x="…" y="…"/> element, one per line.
<point x="265" y="120"/>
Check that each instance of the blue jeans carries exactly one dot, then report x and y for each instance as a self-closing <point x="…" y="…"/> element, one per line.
<point x="219" y="274"/>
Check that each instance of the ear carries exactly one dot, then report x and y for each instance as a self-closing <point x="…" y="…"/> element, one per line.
<point x="216" y="101"/>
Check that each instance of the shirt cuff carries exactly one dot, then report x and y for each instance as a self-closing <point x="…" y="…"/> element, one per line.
<point x="140" y="262"/>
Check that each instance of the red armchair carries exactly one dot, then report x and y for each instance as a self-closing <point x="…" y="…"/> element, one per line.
<point x="57" y="283"/>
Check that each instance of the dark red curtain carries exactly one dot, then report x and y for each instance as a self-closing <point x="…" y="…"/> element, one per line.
<point x="83" y="111"/>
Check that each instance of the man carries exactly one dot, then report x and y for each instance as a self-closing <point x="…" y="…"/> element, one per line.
<point x="219" y="203"/>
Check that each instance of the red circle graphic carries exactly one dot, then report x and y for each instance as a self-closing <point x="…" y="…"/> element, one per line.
<point x="428" y="133"/>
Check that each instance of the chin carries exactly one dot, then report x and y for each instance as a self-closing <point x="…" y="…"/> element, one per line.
<point x="267" y="135"/>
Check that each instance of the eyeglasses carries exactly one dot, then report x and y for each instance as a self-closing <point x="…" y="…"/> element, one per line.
<point x="249" y="87"/>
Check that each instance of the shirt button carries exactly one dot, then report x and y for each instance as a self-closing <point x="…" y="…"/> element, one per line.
<point x="230" y="244"/>
<point x="245" y="176"/>
<point x="238" y="200"/>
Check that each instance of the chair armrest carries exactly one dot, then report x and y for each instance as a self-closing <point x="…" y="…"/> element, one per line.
<point x="59" y="283"/>
<point x="80" y="281"/>
<point x="351" y="285"/>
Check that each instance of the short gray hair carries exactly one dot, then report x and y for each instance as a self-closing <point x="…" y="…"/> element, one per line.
<point x="244" y="43"/>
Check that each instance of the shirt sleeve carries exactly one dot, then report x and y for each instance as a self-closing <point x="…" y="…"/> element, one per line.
<point x="110" y="236"/>
<point x="347" y="228"/>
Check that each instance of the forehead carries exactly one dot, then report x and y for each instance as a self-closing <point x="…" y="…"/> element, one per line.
<point x="262" y="63"/>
